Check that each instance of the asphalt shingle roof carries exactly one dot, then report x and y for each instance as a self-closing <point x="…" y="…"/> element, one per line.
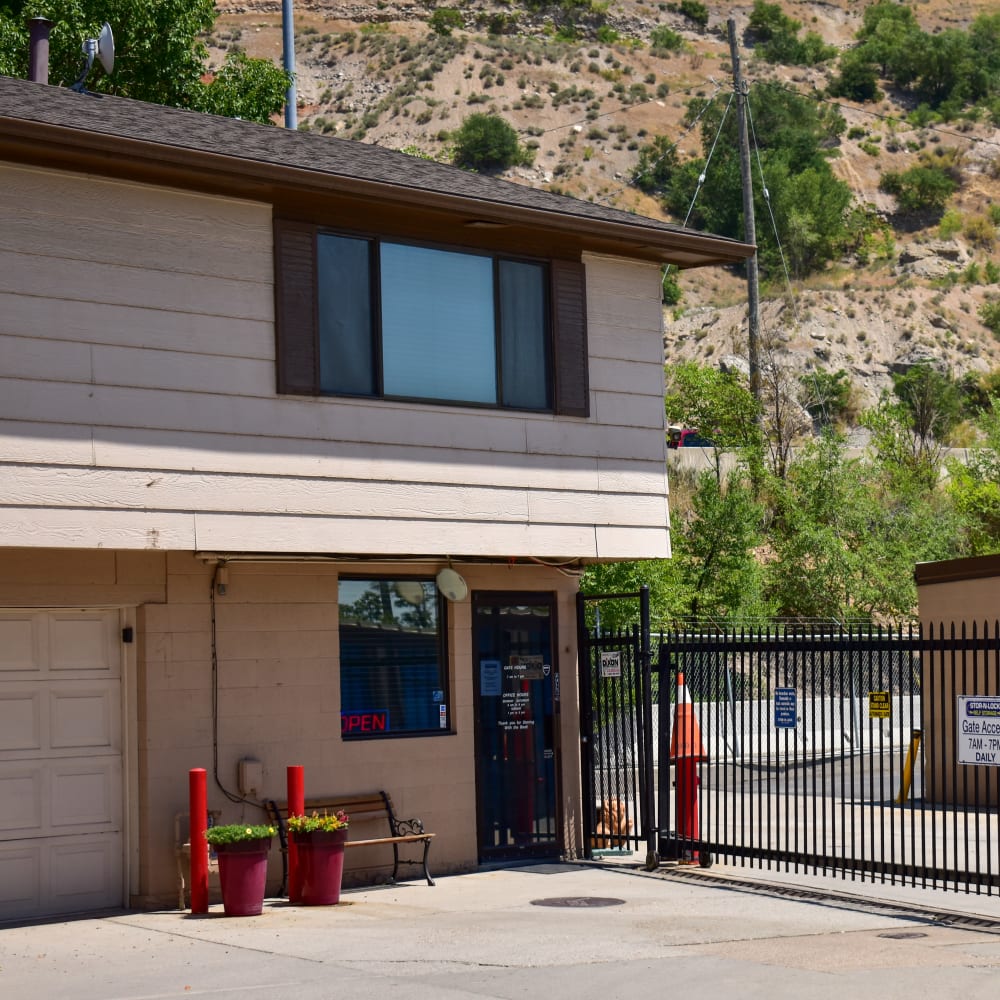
<point x="331" y="157"/>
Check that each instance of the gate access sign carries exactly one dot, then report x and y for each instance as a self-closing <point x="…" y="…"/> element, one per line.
<point x="978" y="730"/>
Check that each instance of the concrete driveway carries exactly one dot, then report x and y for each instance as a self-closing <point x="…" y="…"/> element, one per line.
<point x="538" y="931"/>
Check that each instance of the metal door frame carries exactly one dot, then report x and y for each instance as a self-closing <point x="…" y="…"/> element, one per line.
<point x="486" y="598"/>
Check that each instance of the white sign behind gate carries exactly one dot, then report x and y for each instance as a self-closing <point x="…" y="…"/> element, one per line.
<point x="611" y="664"/>
<point x="978" y="730"/>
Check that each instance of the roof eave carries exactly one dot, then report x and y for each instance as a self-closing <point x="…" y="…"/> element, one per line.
<point x="260" y="180"/>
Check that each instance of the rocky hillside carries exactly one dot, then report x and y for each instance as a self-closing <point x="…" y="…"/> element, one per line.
<point x="377" y="72"/>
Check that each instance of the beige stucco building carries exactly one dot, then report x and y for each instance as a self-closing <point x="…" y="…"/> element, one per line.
<point x="259" y="388"/>
<point x="959" y="601"/>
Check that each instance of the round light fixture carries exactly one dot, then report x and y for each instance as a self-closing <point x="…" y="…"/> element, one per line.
<point x="451" y="584"/>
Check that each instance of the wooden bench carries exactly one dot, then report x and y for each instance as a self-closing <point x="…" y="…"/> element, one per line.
<point x="359" y="807"/>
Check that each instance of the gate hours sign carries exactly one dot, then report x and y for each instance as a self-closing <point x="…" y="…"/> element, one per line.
<point x="978" y="730"/>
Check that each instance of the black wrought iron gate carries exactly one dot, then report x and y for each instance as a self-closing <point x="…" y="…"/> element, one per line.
<point x="617" y="707"/>
<point x="870" y="756"/>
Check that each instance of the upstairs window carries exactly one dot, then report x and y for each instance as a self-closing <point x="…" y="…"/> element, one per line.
<point x="367" y="317"/>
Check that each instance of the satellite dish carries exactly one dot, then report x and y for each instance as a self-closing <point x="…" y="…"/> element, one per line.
<point x="452" y="585"/>
<point x="411" y="591"/>
<point x="106" y="48"/>
<point x="103" y="48"/>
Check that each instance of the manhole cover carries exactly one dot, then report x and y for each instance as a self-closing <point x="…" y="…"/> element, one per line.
<point x="578" y="901"/>
<point x="903" y="935"/>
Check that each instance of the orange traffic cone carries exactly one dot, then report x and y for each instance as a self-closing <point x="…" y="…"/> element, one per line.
<point x="685" y="738"/>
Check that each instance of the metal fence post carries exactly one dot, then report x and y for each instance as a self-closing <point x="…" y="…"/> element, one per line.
<point x="649" y="796"/>
<point x="583" y="656"/>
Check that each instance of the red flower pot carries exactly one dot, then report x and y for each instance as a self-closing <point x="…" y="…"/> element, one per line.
<point x="243" y="873"/>
<point x="321" y="865"/>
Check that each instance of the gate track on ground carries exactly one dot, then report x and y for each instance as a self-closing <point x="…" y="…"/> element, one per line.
<point x="828" y="897"/>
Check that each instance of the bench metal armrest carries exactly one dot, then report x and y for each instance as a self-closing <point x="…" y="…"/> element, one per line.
<point x="407" y="827"/>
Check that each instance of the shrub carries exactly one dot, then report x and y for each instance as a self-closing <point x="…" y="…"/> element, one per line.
<point x="695" y="11"/>
<point x="989" y="315"/>
<point x="487" y="142"/>
<point x="663" y="38"/>
<point x="671" y="288"/>
<point x="445" y="19"/>
<point x="919" y="189"/>
<point x="951" y="223"/>
<point x="981" y="231"/>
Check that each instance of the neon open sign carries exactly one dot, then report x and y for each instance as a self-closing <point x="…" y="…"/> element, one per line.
<point x="375" y="721"/>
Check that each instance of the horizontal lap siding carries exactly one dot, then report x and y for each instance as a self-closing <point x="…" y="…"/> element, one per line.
<point x="138" y="404"/>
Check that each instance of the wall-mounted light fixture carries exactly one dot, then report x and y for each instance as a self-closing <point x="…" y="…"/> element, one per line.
<point x="221" y="579"/>
<point x="452" y="584"/>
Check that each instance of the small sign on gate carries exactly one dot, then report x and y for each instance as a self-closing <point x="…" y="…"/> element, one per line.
<point x="785" y="708"/>
<point x="879" y="706"/>
<point x="611" y="664"/>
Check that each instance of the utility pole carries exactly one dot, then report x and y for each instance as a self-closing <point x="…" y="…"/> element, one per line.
<point x="749" y="224"/>
<point x="288" y="37"/>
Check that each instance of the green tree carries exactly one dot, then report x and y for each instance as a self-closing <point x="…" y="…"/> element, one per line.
<point x="974" y="485"/>
<point x="810" y="205"/>
<point x="945" y="70"/>
<point x="777" y="34"/>
<point x="717" y="404"/>
<point x="945" y="66"/>
<point x="662" y="38"/>
<point x="671" y="288"/>
<point x="660" y="575"/>
<point x="657" y="163"/>
<point x="160" y="55"/>
<point x="826" y="396"/>
<point x="719" y="574"/>
<point x="844" y="539"/>
<point x="890" y="37"/>
<point x="695" y="11"/>
<point x="909" y="462"/>
<point x="487" y="142"/>
<point x="933" y="401"/>
<point x="989" y="315"/>
<point x="921" y="189"/>
<point x="445" y="19"/>
<point x="857" y="79"/>
<point x="983" y="79"/>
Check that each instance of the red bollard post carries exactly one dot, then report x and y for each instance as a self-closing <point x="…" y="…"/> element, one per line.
<point x="198" y="807"/>
<point x="296" y="807"/>
<point x="686" y="749"/>
<point x="687" y="805"/>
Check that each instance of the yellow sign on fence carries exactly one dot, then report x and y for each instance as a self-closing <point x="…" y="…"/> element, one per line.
<point x="879" y="706"/>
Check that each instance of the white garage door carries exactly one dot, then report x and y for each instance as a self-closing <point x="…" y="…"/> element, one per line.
<point x="60" y="762"/>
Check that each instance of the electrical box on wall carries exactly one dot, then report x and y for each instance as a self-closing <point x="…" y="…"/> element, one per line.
<point x="250" y="776"/>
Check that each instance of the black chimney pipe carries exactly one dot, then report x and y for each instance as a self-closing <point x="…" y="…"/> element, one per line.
<point x="38" y="53"/>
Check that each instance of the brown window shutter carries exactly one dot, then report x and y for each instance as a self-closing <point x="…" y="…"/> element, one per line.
<point x="295" y="307"/>
<point x="569" y="340"/>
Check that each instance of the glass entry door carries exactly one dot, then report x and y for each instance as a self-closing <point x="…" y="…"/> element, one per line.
<point x="516" y="684"/>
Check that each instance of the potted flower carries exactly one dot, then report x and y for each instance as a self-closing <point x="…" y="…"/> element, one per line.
<point x="242" y="853"/>
<point x="319" y="846"/>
